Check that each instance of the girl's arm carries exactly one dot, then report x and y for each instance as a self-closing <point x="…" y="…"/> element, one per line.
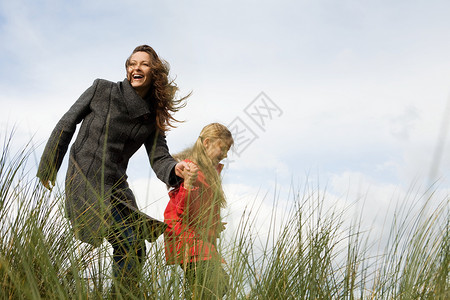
<point x="203" y="213"/>
<point x="176" y="213"/>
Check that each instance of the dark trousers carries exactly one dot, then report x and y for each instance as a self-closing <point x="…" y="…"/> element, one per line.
<point x="206" y="279"/>
<point x="128" y="247"/>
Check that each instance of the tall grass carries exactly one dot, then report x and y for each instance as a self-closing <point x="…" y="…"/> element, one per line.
<point x="310" y="253"/>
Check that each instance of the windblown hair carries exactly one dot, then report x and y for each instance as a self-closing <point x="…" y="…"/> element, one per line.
<point x="163" y="90"/>
<point x="197" y="154"/>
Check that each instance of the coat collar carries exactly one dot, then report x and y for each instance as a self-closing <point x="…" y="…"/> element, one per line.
<point x="136" y="106"/>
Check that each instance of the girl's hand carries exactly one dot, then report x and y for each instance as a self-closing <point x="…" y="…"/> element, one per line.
<point x="190" y="175"/>
<point x="180" y="167"/>
<point x="222" y="227"/>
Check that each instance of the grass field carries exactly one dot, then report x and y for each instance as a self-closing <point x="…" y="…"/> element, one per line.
<point x="313" y="254"/>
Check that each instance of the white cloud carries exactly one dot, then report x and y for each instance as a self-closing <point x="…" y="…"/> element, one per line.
<point x="151" y="195"/>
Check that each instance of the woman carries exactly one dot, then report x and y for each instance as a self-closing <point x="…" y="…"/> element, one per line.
<point x="193" y="215"/>
<point x="117" y="119"/>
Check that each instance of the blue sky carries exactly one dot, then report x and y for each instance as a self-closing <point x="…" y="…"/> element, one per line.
<point x="362" y="86"/>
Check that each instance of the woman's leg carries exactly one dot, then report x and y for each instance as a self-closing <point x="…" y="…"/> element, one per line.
<point x="128" y="246"/>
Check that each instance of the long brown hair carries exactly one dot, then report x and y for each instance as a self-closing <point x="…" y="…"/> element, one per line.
<point x="163" y="90"/>
<point x="197" y="153"/>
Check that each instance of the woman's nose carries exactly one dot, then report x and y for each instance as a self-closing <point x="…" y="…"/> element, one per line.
<point x="134" y="67"/>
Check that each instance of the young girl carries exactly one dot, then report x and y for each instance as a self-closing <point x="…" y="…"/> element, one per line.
<point x="193" y="214"/>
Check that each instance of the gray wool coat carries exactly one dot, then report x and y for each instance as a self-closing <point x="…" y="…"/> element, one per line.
<point x="116" y="122"/>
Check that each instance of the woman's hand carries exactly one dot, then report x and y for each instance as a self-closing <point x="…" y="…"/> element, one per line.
<point x="49" y="184"/>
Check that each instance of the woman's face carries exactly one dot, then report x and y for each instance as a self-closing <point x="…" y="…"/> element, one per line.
<point x="139" y="72"/>
<point x="216" y="150"/>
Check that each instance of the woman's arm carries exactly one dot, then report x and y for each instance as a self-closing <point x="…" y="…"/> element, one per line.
<point x="166" y="168"/>
<point x="61" y="136"/>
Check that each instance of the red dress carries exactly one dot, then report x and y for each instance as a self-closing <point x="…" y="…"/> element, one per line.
<point x="193" y="219"/>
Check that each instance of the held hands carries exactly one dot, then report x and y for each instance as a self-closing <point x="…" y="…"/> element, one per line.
<point x="189" y="173"/>
<point x="180" y="167"/>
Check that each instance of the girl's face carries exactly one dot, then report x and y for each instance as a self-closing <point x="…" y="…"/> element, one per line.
<point x="139" y="72"/>
<point x="216" y="149"/>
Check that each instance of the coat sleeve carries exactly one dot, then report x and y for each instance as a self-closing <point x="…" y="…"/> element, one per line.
<point x="163" y="164"/>
<point x="60" y="138"/>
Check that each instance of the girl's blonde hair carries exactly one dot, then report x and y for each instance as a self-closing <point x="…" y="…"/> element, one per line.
<point x="197" y="153"/>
